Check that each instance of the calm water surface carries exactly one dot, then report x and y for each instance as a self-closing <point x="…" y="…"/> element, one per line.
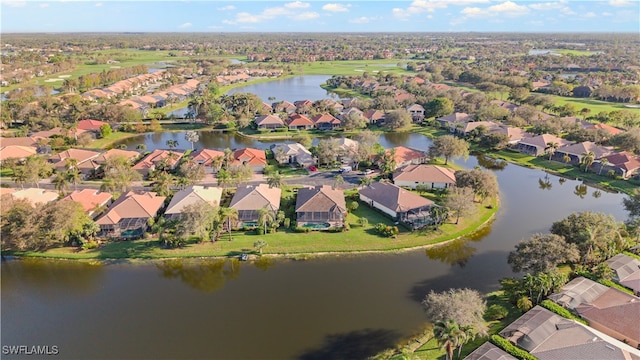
<point x="290" y="89"/>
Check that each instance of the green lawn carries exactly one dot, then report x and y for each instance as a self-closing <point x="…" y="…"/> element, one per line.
<point x="574" y="52"/>
<point x="595" y="106"/>
<point x="350" y="67"/>
<point x="107" y="141"/>
<point x="286" y="242"/>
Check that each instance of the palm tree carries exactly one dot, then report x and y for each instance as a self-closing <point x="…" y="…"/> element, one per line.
<point x="566" y="158"/>
<point x="524" y="304"/>
<point x="265" y="215"/>
<point x="274" y="180"/>
<point x="141" y="147"/>
<point x="603" y="162"/>
<point x="229" y="214"/>
<point x="74" y="176"/>
<point x="449" y="335"/>
<point x="192" y="137"/>
<point x="365" y="181"/>
<point x="588" y="159"/>
<point x="258" y="245"/>
<point x="337" y="181"/>
<point x="19" y="176"/>
<point x="164" y="182"/>
<point x="551" y="148"/>
<point x="61" y="182"/>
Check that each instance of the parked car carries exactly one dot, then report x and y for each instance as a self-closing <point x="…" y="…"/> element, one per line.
<point x="367" y="172"/>
<point x="345" y="169"/>
<point x="313" y="168"/>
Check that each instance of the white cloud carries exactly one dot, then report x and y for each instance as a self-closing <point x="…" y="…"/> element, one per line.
<point x="607" y="14"/>
<point x="185" y="25"/>
<point x="507" y="8"/>
<point x="215" y="27"/>
<point x="363" y="20"/>
<point x="226" y="8"/>
<point x="12" y="3"/>
<point x="307" y="16"/>
<point x="99" y="4"/>
<point x="297" y="5"/>
<point x="620" y="3"/>
<point x="589" y="15"/>
<point x="336" y="7"/>
<point x="420" y="6"/>
<point x="44" y="5"/>
<point x="561" y="5"/>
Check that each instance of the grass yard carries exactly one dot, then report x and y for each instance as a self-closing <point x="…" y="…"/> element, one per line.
<point x="574" y="52"/>
<point x="595" y="106"/>
<point x="285" y="242"/>
<point x="107" y="141"/>
<point x="350" y="67"/>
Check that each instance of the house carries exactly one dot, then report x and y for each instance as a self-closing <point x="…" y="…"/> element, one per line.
<point x="607" y="128"/>
<point x="465" y="129"/>
<point x="284" y="106"/>
<point x="626" y="271"/>
<point x="292" y="154"/>
<point x="624" y="164"/>
<point x="91" y="125"/>
<point x="85" y="160"/>
<point x="129" y="155"/>
<point x="352" y="111"/>
<point x="417" y="112"/>
<point x="20" y="141"/>
<point x="57" y="131"/>
<point x="16" y="152"/>
<point x="168" y="158"/>
<point x="549" y="336"/>
<point x="210" y="159"/>
<point x="320" y="207"/>
<point x="299" y="122"/>
<point x="248" y="199"/>
<point x="576" y="152"/>
<point x="455" y="118"/>
<point x="374" y="116"/>
<point x="191" y="195"/>
<point x="400" y="204"/>
<point x="326" y="122"/>
<point x="404" y="156"/>
<point x="128" y="216"/>
<point x="514" y="134"/>
<point x="505" y="105"/>
<point x="488" y="351"/>
<point x="605" y="309"/>
<point x="35" y="195"/>
<point x="431" y="175"/>
<point x="538" y="145"/>
<point x="269" y="122"/>
<point x="91" y="200"/>
<point x="254" y="158"/>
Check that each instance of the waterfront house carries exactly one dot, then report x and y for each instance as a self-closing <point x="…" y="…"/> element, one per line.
<point x="128" y="217"/>
<point x="320" y="207"/>
<point x="210" y="159"/>
<point x="326" y="122"/>
<point x="624" y="164"/>
<point x="254" y="158"/>
<point x="191" y="195"/>
<point x="130" y="155"/>
<point x="292" y="154"/>
<point x="399" y="204"/>
<point x="451" y="120"/>
<point x="431" y="175"/>
<point x="538" y="145"/>
<point x="488" y="351"/>
<point x="626" y="271"/>
<point x="248" y="199"/>
<point x="91" y="125"/>
<point x="549" y="336"/>
<point x="92" y="200"/>
<point x="299" y="122"/>
<point x="606" y="309"/>
<point x="284" y="107"/>
<point x="514" y="134"/>
<point x="165" y="158"/>
<point x="269" y="122"/>
<point x="576" y="152"/>
<point x="374" y="116"/>
<point x="416" y="111"/>
<point x="404" y="156"/>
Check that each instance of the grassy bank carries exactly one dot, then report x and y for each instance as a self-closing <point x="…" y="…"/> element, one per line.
<point x="286" y="242"/>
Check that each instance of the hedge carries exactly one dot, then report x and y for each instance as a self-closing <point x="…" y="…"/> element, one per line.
<point x="629" y="253"/>
<point x="507" y="346"/>
<point x="553" y="307"/>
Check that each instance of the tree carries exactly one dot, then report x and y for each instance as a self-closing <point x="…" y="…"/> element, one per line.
<point x="338" y="180"/>
<point x="192" y="137"/>
<point x="228" y="215"/>
<point x="239" y="173"/>
<point x="353" y="121"/>
<point x="163" y="183"/>
<point x="596" y="234"/>
<point x="305" y="140"/>
<point x="387" y="161"/>
<point x="587" y="160"/>
<point x="265" y="217"/>
<point x="118" y="174"/>
<point x="365" y="181"/>
<point x="449" y="146"/>
<point x="631" y="204"/>
<point x="603" y="163"/>
<point x="198" y="219"/>
<point x="327" y="151"/>
<point x="191" y="172"/>
<point x="542" y="253"/>
<point x="438" y="107"/>
<point x="259" y="245"/>
<point x="61" y="183"/>
<point x="36" y="168"/>
<point x="551" y="148"/>
<point x="460" y="201"/>
<point x="449" y="336"/>
<point x="465" y="307"/>
<point x="518" y="94"/>
<point x="628" y="140"/>
<point x="397" y="119"/>
<point x="484" y="183"/>
<point x="105" y="130"/>
<point x="274" y="179"/>
<point x="353" y="206"/>
<point x="84" y="139"/>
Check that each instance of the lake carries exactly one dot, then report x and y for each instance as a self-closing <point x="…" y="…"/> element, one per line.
<point x="295" y="88"/>
<point x="348" y="307"/>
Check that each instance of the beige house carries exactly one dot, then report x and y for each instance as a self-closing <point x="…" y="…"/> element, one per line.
<point x="626" y="271"/>
<point x="191" y="195"/>
<point x="292" y="154"/>
<point x="320" y="207"/>
<point x="128" y="217"/>
<point x="170" y="157"/>
<point x="16" y="152"/>
<point x="248" y="199"/>
<point x="399" y="204"/>
<point x="431" y="175"/>
<point x="85" y="160"/>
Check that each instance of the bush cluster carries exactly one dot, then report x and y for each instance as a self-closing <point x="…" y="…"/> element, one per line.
<point x="387" y="230"/>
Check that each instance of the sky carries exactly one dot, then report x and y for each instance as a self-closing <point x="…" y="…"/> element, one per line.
<point x="320" y="16"/>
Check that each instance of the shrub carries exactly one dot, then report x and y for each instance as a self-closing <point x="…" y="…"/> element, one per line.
<point x="505" y="345"/>
<point x="496" y="312"/>
<point x="287" y="223"/>
<point x="363" y="221"/>
<point x="88" y="245"/>
<point x="386" y="230"/>
<point x="300" y="229"/>
<point x="555" y="308"/>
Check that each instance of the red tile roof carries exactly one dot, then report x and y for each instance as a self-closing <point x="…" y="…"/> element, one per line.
<point x="91" y="125"/>
<point x="299" y="120"/>
<point x="250" y="156"/>
<point x="90" y="199"/>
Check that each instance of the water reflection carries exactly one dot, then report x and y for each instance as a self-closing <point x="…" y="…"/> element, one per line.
<point x="264" y="263"/>
<point x="54" y="278"/>
<point x="458" y="252"/>
<point x="360" y="344"/>
<point x="581" y="191"/>
<point x="207" y="275"/>
<point x="489" y="162"/>
<point x="545" y="183"/>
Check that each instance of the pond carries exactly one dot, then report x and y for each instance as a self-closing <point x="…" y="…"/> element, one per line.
<point x="295" y="88"/>
<point x="315" y="309"/>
